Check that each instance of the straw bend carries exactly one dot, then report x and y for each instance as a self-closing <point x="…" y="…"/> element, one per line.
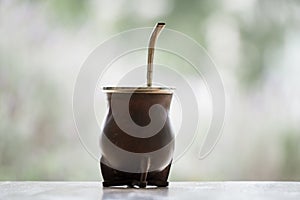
<point x="155" y="33"/>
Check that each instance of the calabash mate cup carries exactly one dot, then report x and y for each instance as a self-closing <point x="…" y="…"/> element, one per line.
<point x="137" y="142"/>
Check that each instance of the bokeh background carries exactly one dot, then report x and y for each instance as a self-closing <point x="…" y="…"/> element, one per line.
<point x="255" y="43"/>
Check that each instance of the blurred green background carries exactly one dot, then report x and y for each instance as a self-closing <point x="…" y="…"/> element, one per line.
<point x="256" y="45"/>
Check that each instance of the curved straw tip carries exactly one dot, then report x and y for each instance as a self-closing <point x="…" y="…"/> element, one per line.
<point x="161" y="23"/>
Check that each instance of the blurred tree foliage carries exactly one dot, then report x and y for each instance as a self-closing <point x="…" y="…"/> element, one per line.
<point x="29" y="115"/>
<point x="271" y="20"/>
<point x="27" y="128"/>
<point x="290" y="158"/>
<point x="67" y="13"/>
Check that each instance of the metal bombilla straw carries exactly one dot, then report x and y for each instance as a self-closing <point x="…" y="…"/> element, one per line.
<point x="155" y="33"/>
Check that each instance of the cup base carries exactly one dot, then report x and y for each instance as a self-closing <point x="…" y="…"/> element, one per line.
<point x="113" y="177"/>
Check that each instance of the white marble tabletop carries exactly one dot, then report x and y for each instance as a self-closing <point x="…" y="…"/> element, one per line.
<point x="176" y="190"/>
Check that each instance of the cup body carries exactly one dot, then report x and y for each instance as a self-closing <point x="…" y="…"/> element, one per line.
<point x="137" y="137"/>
